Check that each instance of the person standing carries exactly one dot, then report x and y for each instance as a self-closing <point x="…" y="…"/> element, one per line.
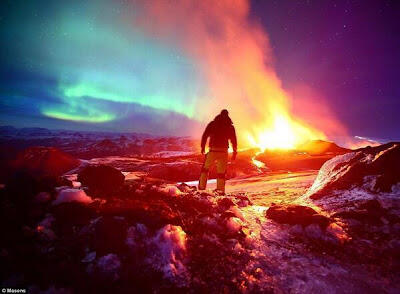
<point x="220" y="131"/>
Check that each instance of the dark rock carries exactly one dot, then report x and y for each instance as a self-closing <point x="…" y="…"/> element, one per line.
<point x="71" y="214"/>
<point x="22" y="187"/>
<point x="321" y="220"/>
<point x="101" y="180"/>
<point x="296" y="214"/>
<point x="225" y="203"/>
<point x="362" y="216"/>
<point x="243" y="199"/>
<point x="154" y="213"/>
<point x="178" y="171"/>
<point x="368" y="212"/>
<point x="186" y="188"/>
<point x="42" y="197"/>
<point x="371" y="205"/>
<point x="227" y="214"/>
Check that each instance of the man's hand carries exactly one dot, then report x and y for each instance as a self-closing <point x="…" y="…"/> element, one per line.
<point x="203" y="150"/>
<point x="234" y="155"/>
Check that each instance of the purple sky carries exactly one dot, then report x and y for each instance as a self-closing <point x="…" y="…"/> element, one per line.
<point x="348" y="51"/>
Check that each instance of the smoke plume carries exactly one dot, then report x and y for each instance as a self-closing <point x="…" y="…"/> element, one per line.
<point x="235" y="58"/>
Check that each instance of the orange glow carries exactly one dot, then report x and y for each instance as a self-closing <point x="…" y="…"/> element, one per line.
<point x="257" y="163"/>
<point x="282" y="133"/>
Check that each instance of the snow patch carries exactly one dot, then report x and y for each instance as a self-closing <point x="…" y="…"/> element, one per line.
<point x="109" y="265"/>
<point x="170" y="190"/>
<point x="91" y="256"/>
<point x="170" y="252"/>
<point x="331" y="171"/>
<point x="168" y="154"/>
<point x="196" y="183"/>
<point x="233" y="224"/>
<point x="134" y="233"/>
<point x="72" y="195"/>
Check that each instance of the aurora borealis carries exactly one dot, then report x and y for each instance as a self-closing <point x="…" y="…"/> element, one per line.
<point x="87" y="63"/>
<point x="162" y="68"/>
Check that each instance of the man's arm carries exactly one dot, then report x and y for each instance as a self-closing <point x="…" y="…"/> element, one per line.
<point x="233" y="139"/>
<point x="204" y="138"/>
<point x="233" y="142"/>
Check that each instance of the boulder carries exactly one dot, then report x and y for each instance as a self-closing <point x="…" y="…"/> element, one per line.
<point x="375" y="168"/>
<point x="225" y="203"/>
<point x="102" y="179"/>
<point x="176" y="171"/>
<point x="296" y="214"/>
<point x="362" y="185"/>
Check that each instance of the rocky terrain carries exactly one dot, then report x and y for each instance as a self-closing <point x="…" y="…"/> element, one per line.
<point x="130" y="224"/>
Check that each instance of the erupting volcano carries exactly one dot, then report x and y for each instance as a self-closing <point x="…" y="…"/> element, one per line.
<point x="236" y="61"/>
<point x="199" y="146"/>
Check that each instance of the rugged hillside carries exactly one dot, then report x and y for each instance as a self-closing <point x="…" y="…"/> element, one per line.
<point x="87" y="145"/>
<point x="311" y="155"/>
<point x="45" y="161"/>
<point x="319" y="147"/>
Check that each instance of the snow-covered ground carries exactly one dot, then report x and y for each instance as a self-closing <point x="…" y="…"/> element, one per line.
<point x="285" y="265"/>
<point x="292" y="259"/>
<point x="167" y="154"/>
<point x="266" y="188"/>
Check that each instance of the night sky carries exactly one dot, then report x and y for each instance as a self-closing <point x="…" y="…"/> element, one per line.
<point x="87" y="65"/>
<point x="347" y="51"/>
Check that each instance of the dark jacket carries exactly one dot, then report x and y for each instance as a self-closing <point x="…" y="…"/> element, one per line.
<point x="220" y="131"/>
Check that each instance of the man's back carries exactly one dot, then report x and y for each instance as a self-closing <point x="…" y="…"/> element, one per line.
<point x="220" y="131"/>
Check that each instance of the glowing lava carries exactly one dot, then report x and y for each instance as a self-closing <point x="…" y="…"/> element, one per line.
<point x="257" y="163"/>
<point x="282" y="133"/>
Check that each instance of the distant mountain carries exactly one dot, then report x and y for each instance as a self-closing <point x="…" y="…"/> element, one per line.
<point x="311" y="155"/>
<point x="319" y="147"/>
<point x="86" y="144"/>
<point x="7" y="130"/>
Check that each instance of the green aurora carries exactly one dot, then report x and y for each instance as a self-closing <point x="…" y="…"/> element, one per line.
<point x="96" y="61"/>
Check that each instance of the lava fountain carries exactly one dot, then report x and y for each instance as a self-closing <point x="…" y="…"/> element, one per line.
<point x="283" y="133"/>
